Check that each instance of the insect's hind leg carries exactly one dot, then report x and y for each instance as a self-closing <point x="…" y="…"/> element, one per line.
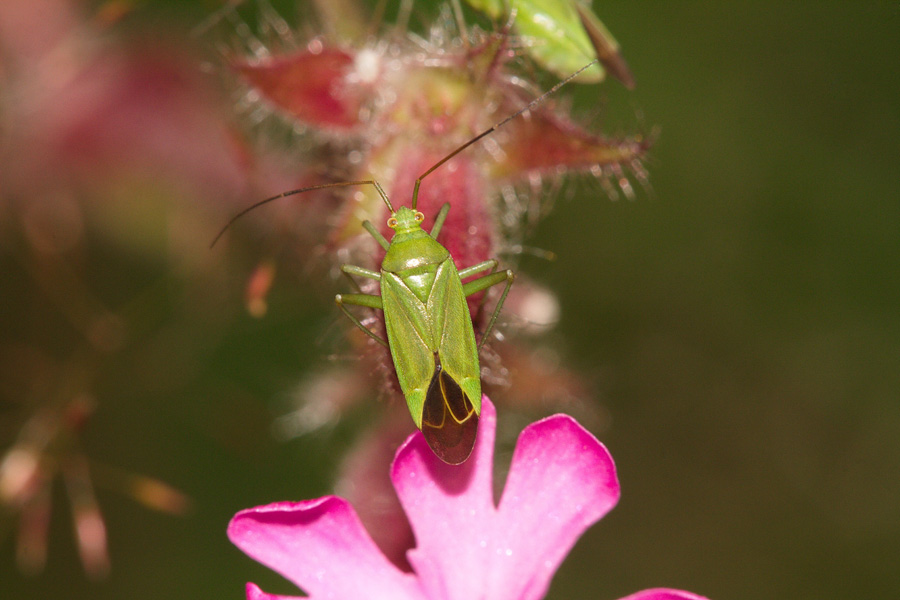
<point x="483" y="283"/>
<point x="367" y="300"/>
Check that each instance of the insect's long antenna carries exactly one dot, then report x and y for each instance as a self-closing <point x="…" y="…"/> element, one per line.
<point x="497" y="126"/>
<point x="322" y="186"/>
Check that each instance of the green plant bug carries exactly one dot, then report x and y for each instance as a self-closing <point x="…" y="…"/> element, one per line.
<point x="429" y="329"/>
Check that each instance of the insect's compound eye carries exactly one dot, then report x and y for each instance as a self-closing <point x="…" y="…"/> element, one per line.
<point x="419" y="217"/>
<point x="392" y="223"/>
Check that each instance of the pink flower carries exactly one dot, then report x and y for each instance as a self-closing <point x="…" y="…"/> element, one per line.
<point x="562" y="480"/>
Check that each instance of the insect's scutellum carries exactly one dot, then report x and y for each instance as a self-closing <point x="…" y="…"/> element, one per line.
<point x="429" y="329"/>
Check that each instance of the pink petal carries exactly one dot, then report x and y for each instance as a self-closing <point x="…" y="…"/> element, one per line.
<point x="664" y="594"/>
<point x="451" y="509"/>
<point x="562" y="480"/>
<point x="254" y="593"/>
<point x="321" y="546"/>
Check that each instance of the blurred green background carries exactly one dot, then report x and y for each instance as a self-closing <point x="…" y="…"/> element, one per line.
<point x="740" y="322"/>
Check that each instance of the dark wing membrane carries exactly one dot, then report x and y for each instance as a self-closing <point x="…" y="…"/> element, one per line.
<point x="449" y="421"/>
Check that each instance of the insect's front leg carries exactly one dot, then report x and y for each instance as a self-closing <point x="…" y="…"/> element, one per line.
<point x="439" y="220"/>
<point x="366" y="300"/>
<point x="483" y="283"/>
<point x="367" y="225"/>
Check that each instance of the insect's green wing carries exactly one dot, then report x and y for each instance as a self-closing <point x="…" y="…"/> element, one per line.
<point x="443" y="396"/>
<point x="556" y="33"/>
<point x="411" y="342"/>
<point x="559" y="42"/>
<point x="454" y="333"/>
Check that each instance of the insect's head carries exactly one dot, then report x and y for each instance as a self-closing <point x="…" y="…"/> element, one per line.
<point x="405" y="220"/>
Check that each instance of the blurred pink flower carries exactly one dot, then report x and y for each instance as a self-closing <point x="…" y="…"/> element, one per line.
<point x="561" y="481"/>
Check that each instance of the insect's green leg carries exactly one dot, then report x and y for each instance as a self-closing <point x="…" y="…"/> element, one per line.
<point x="439" y="220"/>
<point x="348" y="270"/>
<point x="376" y="234"/>
<point x="367" y="300"/>
<point x="354" y="270"/>
<point x="483" y="283"/>
<point x="490" y="264"/>
<point x="484" y="266"/>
